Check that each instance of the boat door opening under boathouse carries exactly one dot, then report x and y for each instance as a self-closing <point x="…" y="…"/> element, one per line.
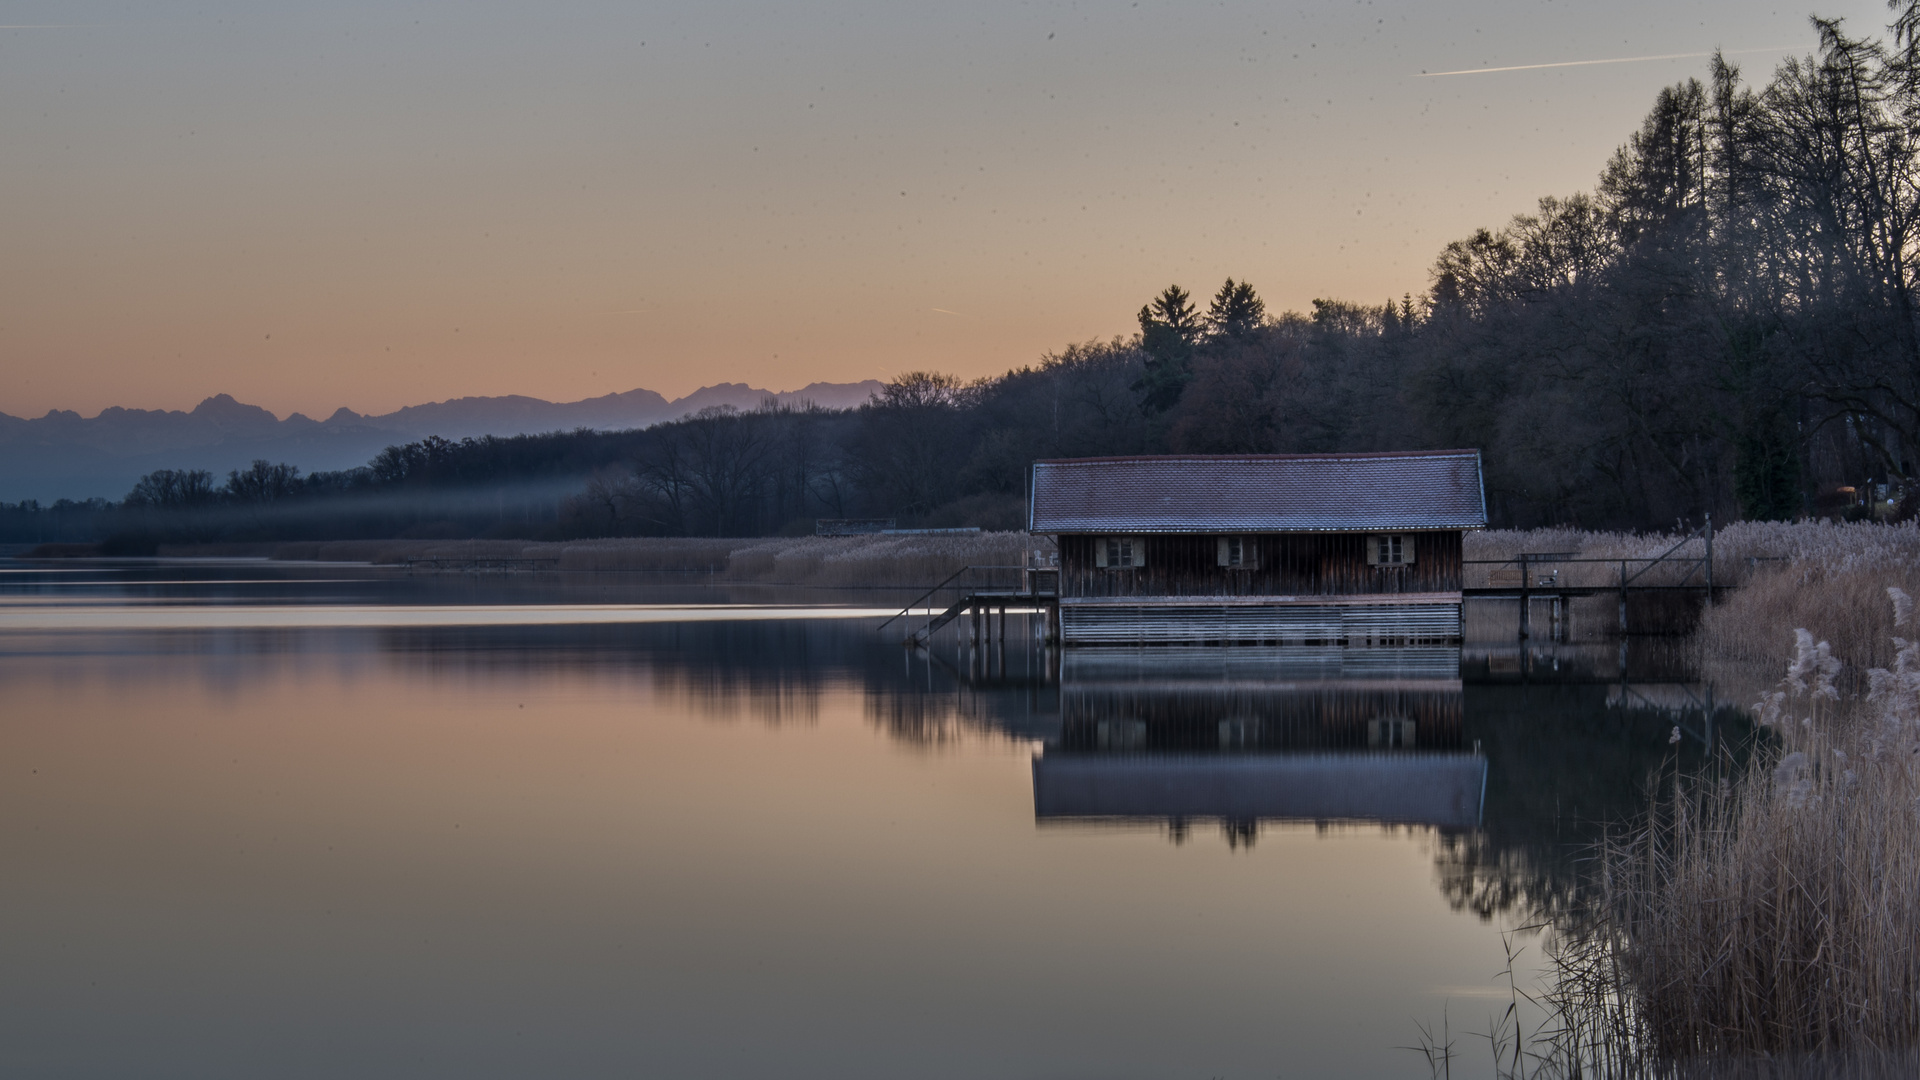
<point x="1344" y="549"/>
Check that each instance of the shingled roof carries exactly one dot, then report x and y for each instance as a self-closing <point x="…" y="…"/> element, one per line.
<point x="1435" y="489"/>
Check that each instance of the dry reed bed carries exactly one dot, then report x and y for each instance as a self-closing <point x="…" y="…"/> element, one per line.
<point x="1636" y="549"/>
<point x="876" y="560"/>
<point x="1832" y="583"/>
<point x="1765" y="920"/>
<point x="1776" y="912"/>
<point x="1741" y="551"/>
<point x="901" y="561"/>
<point x="1733" y="544"/>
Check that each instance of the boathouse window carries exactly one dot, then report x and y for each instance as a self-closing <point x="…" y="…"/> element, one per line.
<point x="1390" y="549"/>
<point x="1390" y="732"/>
<point x="1237" y="551"/>
<point x="1119" y="552"/>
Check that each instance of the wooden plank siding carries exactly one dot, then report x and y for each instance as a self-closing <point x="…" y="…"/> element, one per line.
<point x="1296" y="564"/>
<point x="1233" y="719"/>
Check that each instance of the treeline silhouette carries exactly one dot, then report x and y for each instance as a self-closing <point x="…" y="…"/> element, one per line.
<point x="1727" y="323"/>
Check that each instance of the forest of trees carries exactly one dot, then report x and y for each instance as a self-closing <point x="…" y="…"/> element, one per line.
<point x="1728" y="323"/>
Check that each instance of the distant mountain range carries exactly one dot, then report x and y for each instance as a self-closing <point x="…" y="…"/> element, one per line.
<point x="65" y="455"/>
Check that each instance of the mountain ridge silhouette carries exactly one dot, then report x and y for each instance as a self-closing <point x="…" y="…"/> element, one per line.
<point x="63" y="454"/>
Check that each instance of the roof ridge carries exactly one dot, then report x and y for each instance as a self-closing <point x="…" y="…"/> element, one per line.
<point x="1228" y="493"/>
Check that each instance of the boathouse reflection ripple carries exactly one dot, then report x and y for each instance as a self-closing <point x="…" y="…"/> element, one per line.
<point x="1245" y="736"/>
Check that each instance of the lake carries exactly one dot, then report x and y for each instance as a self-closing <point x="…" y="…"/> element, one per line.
<point x="322" y="820"/>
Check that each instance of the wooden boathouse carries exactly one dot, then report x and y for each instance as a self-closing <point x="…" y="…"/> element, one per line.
<point x="1285" y="548"/>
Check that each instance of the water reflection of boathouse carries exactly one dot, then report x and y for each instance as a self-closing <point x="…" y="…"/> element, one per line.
<point x="1248" y="735"/>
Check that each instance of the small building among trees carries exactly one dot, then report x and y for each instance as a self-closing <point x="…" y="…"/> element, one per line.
<point x="1290" y="548"/>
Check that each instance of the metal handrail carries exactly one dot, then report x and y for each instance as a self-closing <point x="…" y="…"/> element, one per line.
<point x="1542" y="556"/>
<point x="1529" y="558"/>
<point x="1696" y="534"/>
<point x="1613" y="561"/>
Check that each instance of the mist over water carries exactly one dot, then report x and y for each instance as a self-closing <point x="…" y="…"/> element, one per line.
<point x="727" y="841"/>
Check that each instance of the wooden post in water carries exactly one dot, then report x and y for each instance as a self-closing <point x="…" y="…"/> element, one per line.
<point x="1709" y="724"/>
<point x="1623" y="596"/>
<point x="1526" y="601"/>
<point x="1709" y="560"/>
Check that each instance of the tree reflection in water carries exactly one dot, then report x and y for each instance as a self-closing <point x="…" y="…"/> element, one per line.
<point x="1573" y="749"/>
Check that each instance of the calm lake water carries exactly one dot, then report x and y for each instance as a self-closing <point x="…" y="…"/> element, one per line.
<point x="290" y="820"/>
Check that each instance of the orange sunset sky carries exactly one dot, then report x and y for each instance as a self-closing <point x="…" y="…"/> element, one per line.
<point x="372" y="205"/>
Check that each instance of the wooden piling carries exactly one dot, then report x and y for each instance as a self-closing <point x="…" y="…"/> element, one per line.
<point x="1709" y="560"/>
<point x="1623" y="596"/>
<point x="1526" y="600"/>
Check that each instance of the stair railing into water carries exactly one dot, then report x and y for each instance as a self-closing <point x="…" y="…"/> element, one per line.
<point x="920" y="601"/>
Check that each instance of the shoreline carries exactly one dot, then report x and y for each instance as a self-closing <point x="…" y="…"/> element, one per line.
<point x="872" y="561"/>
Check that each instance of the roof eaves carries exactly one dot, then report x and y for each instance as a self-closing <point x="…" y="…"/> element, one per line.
<point x="1357" y="455"/>
<point x="1480" y="473"/>
<point x="1247" y="530"/>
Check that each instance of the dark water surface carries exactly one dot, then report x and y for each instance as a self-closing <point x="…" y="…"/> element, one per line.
<point x="333" y="821"/>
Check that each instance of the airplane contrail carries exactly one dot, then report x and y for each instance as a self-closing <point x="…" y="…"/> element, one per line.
<point x="1587" y="63"/>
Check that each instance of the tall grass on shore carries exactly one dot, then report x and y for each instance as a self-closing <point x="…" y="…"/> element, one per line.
<point x="1826" y="579"/>
<point x="1769" y="915"/>
<point x="1599" y="554"/>
<point x="1779" y="914"/>
<point x="1733" y="545"/>
<point x="910" y="561"/>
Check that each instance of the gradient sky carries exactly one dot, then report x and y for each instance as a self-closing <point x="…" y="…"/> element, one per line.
<point x="371" y="205"/>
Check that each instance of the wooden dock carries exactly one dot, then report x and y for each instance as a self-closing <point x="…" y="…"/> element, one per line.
<point x="1559" y="577"/>
<point x="983" y="598"/>
<point x="1366" y="619"/>
<point x="1405" y="619"/>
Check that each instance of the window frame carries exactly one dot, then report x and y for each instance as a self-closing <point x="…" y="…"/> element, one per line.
<point x="1400" y="546"/>
<point x="1225" y="553"/>
<point x="1393" y="733"/>
<point x="1135" y="555"/>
